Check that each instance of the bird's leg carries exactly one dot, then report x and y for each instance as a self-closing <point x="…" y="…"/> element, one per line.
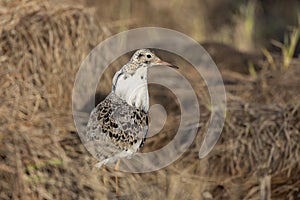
<point x="116" y="176"/>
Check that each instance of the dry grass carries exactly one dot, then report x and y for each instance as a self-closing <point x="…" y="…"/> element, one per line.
<point x="41" y="46"/>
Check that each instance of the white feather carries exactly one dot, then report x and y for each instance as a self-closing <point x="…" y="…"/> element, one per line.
<point x="133" y="88"/>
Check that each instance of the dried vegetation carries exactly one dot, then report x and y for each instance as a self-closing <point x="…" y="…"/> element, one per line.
<point x="42" y="44"/>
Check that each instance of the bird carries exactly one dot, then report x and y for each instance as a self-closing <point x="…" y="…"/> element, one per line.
<point x="118" y="126"/>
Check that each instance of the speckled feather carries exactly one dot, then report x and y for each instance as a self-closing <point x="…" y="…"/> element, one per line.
<point x="116" y="129"/>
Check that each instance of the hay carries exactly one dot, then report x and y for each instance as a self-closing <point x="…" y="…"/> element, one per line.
<point x="42" y="44"/>
<point x="259" y="145"/>
<point x="41" y="47"/>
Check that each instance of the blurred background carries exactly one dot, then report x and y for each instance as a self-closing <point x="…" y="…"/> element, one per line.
<point x="254" y="43"/>
<point x="245" y="24"/>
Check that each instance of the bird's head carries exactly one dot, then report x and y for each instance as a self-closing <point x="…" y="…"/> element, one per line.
<point x="139" y="62"/>
<point x="146" y="58"/>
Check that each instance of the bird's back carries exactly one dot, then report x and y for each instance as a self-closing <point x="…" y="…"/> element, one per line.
<point x="115" y="129"/>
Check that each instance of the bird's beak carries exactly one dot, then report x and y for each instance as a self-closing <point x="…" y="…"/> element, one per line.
<point x="160" y="62"/>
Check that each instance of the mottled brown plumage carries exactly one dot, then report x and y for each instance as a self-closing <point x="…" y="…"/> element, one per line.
<point x="116" y="128"/>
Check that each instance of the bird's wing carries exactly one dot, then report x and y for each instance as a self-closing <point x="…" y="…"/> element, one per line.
<point x="114" y="126"/>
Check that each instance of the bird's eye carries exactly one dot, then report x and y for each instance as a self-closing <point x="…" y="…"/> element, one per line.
<point x="149" y="56"/>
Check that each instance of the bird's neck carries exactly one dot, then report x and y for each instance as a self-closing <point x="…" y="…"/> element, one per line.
<point x="134" y="89"/>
